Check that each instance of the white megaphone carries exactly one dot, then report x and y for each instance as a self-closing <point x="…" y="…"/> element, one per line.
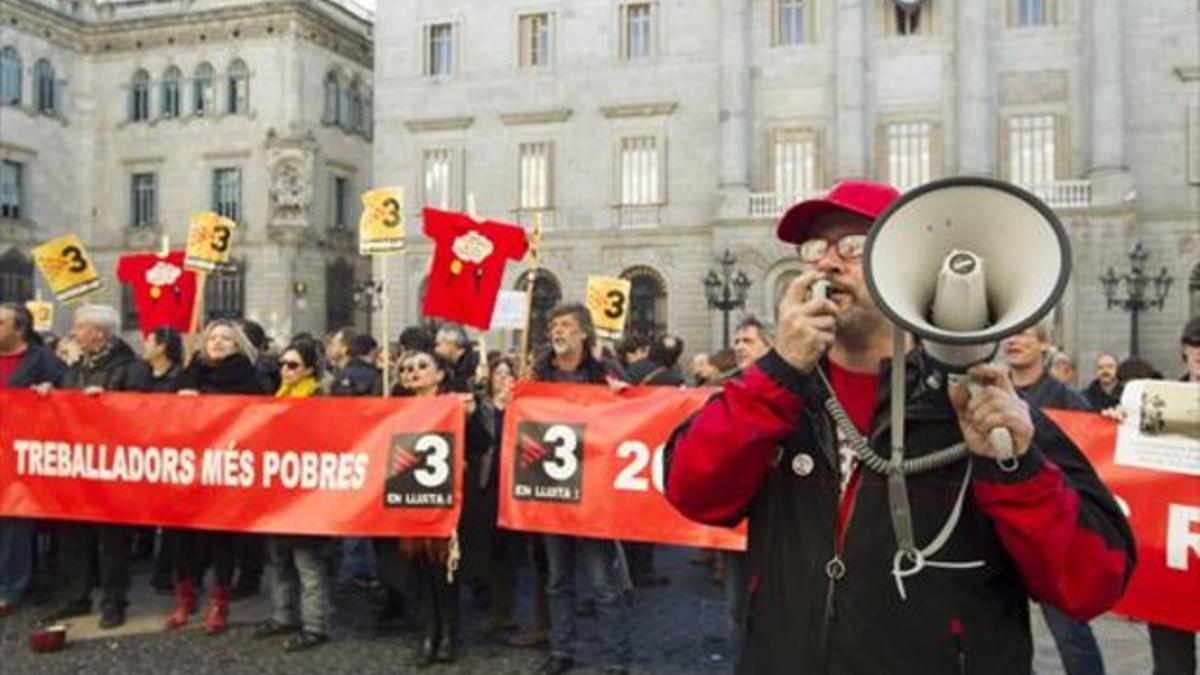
<point x="962" y="263"/>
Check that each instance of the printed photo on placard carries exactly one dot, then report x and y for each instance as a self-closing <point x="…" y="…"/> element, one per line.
<point x="420" y="471"/>
<point x="548" y="464"/>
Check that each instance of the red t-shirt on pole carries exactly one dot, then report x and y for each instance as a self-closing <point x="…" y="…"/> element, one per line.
<point x="163" y="291"/>
<point x="468" y="265"/>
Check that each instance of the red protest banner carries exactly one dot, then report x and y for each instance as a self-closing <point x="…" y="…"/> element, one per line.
<point x="581" y="460"/>
<point x="367" y="467"/>
<point x="1164" y="512"/>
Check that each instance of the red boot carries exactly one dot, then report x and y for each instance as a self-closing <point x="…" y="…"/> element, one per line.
<point x="185" y="604"/>
<point x="217" y="618"/>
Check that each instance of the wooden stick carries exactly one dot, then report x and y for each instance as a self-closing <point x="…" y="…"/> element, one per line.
<point x="535" y="244"/>
<point x="383" y="329"/>
<point x="201" y="280"/>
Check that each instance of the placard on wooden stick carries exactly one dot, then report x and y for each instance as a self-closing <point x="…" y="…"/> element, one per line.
<point x="68" y="268"/>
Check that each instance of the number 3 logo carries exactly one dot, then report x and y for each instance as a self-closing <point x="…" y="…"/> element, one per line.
<point x="221" y="235"/>
<point x="616" y="304"/>
<point x="391" y="209"/>
<point x="563" y="465"/>
<point x="437" y="461"/>
<point x="75" y="256"/>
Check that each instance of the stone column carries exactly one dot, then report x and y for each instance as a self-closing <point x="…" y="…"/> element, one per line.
<point x="735" y="107"/>
<point x="1111" y="181"/>
<point x="851" y="96"/>
<point x="976" y="123"/>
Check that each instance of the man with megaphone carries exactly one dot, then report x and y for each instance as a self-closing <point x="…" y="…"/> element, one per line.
<point x="916" y="554"/>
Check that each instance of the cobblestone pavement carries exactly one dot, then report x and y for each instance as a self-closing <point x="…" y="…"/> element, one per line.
<point x="679" y="629"/>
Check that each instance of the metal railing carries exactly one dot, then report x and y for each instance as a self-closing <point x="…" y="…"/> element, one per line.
<point x="771" y="204"/>
<point x="1064" y="194"/>
<point x="637" y="217"/>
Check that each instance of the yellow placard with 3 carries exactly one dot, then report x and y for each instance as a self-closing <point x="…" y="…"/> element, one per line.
<point x="68" y="268"/>
<point x="381" y="227"/>
<point x="608" y="301"/>
<point x="43" y="315"/>
<point x="209" y="240"/>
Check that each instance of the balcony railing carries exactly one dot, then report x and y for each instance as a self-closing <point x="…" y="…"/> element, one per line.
<point x="1064" y="194"/>
<point x="637" y="217"/>
<point x="525" y="217"/>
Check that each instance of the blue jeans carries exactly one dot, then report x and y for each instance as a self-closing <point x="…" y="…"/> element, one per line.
<point x="603" y="565"/>
<point x="16" y="558"/>
<point x="737" y="600"/>
<point x="1076" y="645"/>
<point x="358" y="561"/>
<point x="300" y="594"/>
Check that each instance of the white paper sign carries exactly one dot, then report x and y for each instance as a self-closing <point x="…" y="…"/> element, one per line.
<point x="1161" y="430"/>
<point x="511" y="309"/>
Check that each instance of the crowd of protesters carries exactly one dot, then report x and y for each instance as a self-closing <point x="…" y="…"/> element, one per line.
<point x="410" y="575"/>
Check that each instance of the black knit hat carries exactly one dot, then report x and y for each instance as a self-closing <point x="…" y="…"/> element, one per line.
<point x="1191" y="333"/>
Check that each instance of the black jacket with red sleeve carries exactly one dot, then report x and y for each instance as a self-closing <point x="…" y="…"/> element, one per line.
<point x="765" y="448"/>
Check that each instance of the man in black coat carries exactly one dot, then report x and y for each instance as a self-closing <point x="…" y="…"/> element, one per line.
<point x="24" y="362"/>
<point x="107" y="364"/>
<point x="1104" y="391"/>
<point x="357" y="374"/>
<point x="454" y="345"/>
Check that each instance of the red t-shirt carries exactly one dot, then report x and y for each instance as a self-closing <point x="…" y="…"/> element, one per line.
<point x="858" y="393"/>
<point x="468" y="265"/>
<point x="163" y="290"/>
<point x="8" y="366"/>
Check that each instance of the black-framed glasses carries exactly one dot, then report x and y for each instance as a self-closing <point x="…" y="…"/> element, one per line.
<point x="291" y="365"/>
<point x="849" y="247"/>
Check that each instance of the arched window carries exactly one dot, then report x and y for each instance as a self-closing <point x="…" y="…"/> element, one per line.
<point x="47" y="99"/>
<point x="139" y="97"/>
<point x="547" y="293"/>
<point x="647" y="301"/>
<point x="339" y="294"/>
<point x="333" y="99"/>
<point x="16" y="277"/>
<point x="10" y="76"/>
<point x="202" y="90"/>
<point x="170" y="93"/>
<point x="355" y="123"/>
<point x="238" y="95"/>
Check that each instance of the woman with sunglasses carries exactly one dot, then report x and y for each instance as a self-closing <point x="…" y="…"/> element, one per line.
<point x="424" y="374"/>
<point x="223" y="365"/>
<point x="300" y="594"/>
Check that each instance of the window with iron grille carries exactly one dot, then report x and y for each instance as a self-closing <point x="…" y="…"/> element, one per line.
<point x="639" y="168"/>
<point x="143" y="195"/>
<point x="439" y="177"/>
<point x="129" y="313"/>
<point x="547" y="293"/>
<point x="794" y="165"/>
<point x="12" y="191"/>
<point x="790" y="22"/>
<point x="533" y="175"/>
<point x="908" y="148"/>
<point x="1031" y="12"/>
<point x="339" y="295"/>
<point x="225" y="294"/>
<point x="227" y="193"/>
<point x="340" y="200"/>
<point x="1031" y="152"/>
<point x="647" y="302"/>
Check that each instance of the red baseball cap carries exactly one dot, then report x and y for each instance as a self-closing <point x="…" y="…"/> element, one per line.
<point x="860" y="197"/>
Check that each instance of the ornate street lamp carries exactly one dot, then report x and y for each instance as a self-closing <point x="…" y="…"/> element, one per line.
<point x="726" y="290"/>
<point x="1137" y="284"/>
<point x="368" y="296"/>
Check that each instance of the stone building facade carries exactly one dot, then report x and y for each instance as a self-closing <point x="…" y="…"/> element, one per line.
<point x="152" y="110"/>
<point x="654" y="135"/>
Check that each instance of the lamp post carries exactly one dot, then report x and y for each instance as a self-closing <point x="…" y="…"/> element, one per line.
<point x="1137" y="284"/>
<point x="726" y="290"/>
<point x="368" y="296"/>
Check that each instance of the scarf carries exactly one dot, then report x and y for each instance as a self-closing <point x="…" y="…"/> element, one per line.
<point x="302" y="389"/>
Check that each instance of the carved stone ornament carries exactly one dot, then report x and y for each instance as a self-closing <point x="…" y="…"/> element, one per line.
<point x="291" y="189"/>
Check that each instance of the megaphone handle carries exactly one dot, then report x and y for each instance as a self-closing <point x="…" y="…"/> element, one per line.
<point x="1000" y="438"/>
